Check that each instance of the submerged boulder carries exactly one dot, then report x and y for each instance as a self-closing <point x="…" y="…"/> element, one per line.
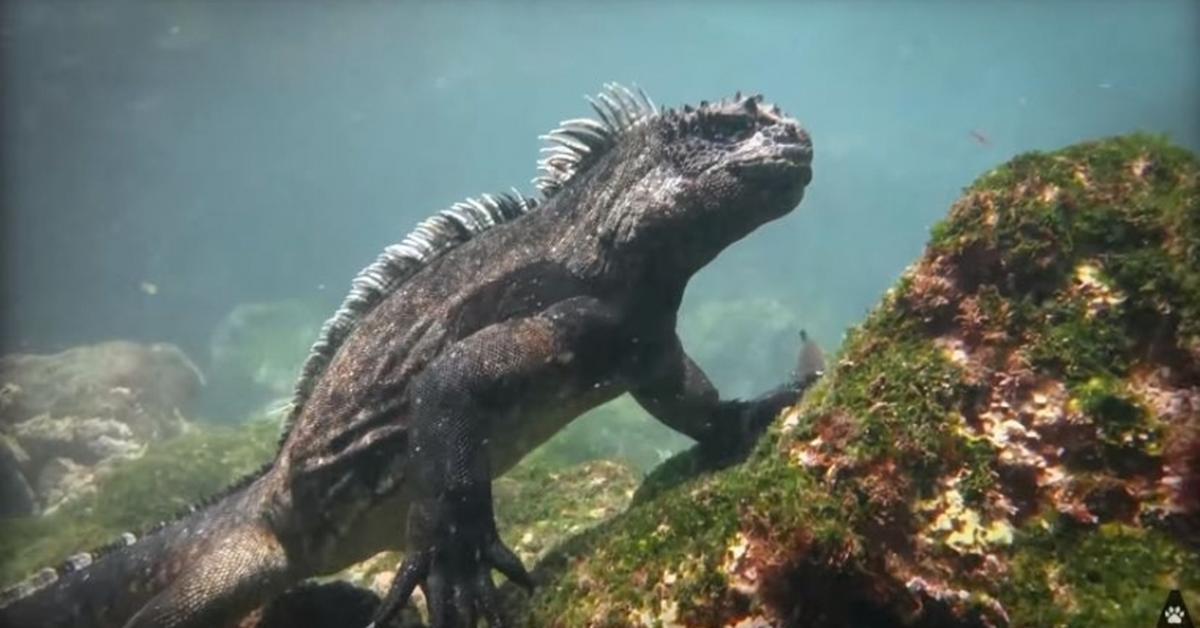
<point x="131" y="495"/>
<point x="16" y="496"/>
<point x="1011" y="438"/>
<point x="63" y="415"/>
<point x="256" y="353"/>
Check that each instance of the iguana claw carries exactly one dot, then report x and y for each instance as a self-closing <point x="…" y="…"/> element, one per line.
<point x="455" y="574"/>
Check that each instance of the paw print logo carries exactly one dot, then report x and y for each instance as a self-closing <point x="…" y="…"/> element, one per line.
<point x="1175" y="612"/>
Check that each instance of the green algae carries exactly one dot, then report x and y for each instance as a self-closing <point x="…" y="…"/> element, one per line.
<point x="135" y="494"/>
<point x="902" y="391"/>
<point x="1129" y="201"/>
<point x="978" y="458"/>
<point x="1082" y="267"/>
<point x="681" y="538"/>
<point x="1078" y="347"/>
<point x="1117" y="575"/>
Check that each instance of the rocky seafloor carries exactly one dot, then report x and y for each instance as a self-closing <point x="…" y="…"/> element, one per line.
<point x="1011" y="438"/>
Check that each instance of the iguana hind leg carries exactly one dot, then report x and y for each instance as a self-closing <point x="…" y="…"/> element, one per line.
<point x="219" y="582"/>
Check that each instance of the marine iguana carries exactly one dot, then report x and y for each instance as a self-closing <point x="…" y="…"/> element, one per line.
<point x="457" y="352"/>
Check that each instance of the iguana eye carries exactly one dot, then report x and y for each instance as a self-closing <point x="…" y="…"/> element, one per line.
<point x="731" y="126"/>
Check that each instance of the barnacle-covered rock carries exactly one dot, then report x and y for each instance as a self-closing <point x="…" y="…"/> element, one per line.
<point x="1011" y="438"/>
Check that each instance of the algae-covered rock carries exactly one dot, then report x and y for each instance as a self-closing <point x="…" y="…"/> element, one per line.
<point x="131" y="495"/>
<point x="1011" y="438"/>
<point x="65" y="416"/>
<point x="16" y="495"/>
<point x="144" y="386"/>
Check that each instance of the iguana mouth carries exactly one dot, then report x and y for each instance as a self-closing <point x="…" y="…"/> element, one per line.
<point x="780" y="153"/>
<point x="786" y="164"/>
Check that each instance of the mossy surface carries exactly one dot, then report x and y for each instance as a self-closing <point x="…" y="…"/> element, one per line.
<point x="1008" y="439"/>
<point x="133" y="495"/>
<point x="1116" y="575"/>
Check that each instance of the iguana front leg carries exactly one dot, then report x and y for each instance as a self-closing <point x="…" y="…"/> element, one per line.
<point x="500" y="371"/>
<point x="676" y="391"/>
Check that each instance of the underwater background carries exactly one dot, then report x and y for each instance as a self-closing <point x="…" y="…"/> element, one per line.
<point x="254" y="152"/>
<point x="211" y="175"/>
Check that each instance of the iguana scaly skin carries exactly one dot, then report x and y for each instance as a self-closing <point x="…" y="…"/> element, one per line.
<point x="459" y="351"/>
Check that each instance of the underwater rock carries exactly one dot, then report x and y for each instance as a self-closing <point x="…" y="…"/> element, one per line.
<point x="16" y="496"/>
<point x="1010" y="438"/>
<point x="256" y="354"/>
<point x="91" y="405"/>
<point x="537" y="508"/>
<point x="61" y="480"/>
<point x="84" y="440"/>
<point x="95" y="506"/>
<point x="144" y="386"/>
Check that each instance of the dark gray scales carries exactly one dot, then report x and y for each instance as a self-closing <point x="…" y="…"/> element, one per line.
<point x="461" y="349"/>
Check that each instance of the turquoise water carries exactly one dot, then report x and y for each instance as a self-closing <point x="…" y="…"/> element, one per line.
<point x="227" y="153"/>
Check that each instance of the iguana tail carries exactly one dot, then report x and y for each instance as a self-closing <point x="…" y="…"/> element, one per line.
<point x="207" y="569"/>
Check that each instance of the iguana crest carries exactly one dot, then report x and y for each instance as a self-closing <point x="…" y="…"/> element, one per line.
<point x="578" y="143"/>
<point x="574" y="146"/>
<point x="432" y="237"/>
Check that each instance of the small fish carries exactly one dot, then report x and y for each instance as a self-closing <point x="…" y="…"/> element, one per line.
<point x="811" y="363"/>
<point x="980" y="138"/>
<point x="149" y="288"/>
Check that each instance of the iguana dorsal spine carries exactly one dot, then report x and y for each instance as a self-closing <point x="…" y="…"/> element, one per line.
<point x="431" y="237"/>
<point x="573" y="146"/>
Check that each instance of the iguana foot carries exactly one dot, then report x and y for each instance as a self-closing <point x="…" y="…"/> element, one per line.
<point x="743" y="422"/>
<point x="455" y="572"/>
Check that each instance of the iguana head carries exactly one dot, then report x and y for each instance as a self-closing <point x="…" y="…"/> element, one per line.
<point x="678" y="185"/>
